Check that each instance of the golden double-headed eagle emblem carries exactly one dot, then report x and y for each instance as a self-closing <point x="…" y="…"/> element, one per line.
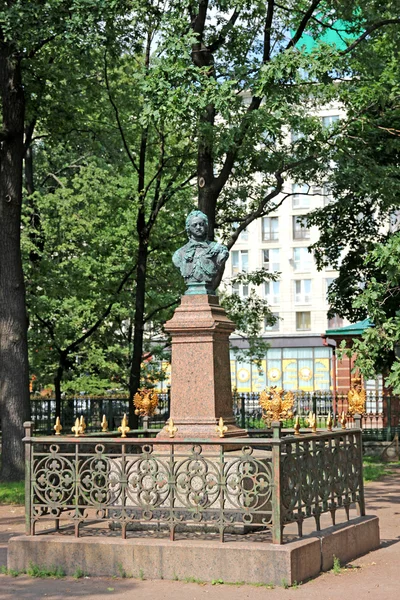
<point x="276" y="405"/>
<point x="146" y="402"/>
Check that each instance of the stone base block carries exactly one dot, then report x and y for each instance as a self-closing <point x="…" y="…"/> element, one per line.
<point x="205" y="560"/>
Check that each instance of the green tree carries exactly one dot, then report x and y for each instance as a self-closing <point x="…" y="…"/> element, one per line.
<point x="31" y="34"/>
<point x="378" y="349"/>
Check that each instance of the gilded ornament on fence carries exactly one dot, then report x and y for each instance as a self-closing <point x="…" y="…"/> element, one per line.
<point x="311" y="421"/>
<point x="77" y="429"/>
<point x="123" y="429"/>
<point x="104" y="424"/>
<point x="343" y="420"/>
<point x="146" y="402"/>
<point x="329" y="422"/>
<point x="171" y="429"/>
<point x="82" y="424"/>
<point x="58" y="426"/>
<point x="297" y="426"/>
<point x="275" y="405"/>
<point x="221" y="429"/>
<point x="356" y="397"/>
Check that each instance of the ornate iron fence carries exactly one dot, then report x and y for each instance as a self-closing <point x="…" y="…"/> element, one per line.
<point x="43" y="412"/>
<point x="226" y="485"/>
<point x="380" y="421"/>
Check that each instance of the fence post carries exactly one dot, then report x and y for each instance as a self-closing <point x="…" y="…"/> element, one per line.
<point x="242" y="411"/>
<point x="389" y="418"/>
<point x="357" y="421"/>
<point x="276" y="496"/>
<point x="28" y="427"/>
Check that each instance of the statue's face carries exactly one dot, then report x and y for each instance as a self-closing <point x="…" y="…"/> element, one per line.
<point x="197" y="229"/>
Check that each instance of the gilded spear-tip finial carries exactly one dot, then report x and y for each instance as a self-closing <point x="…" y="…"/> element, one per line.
<point x="77" y="428"/>
<point x="221" y="429"/>
<point x="297" y="425"/>
<point x="82" y="424"/>
<point x="171" y="429"/>
<point x="329" y="422"/>
<point x="104" y="424"/>
<point x="343" y="420"/>
<point x="123" y="429"/>
<point x="58" y="427"/>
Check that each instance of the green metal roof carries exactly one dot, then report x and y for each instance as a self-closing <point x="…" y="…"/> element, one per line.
<point x="354" y="329"/>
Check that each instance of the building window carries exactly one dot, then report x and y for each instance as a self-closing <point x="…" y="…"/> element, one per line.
<point x="270" y="229"/>
<point x="303" y="321"/>
<point x="272" y="292"/>
<point x="328" y="282"/>
<point x="243" y="235"/>
<point x="335" y="322"/>
<point x="270" y="259"/>
<point x="240" y="289"/>
<point x="300" y="229"/>
<point x="275" y="326"/>
<point x="329" y="121"/>
<point x="299" y="195"/>
<point x="302" y="259"/>
<point x="302" y="291"/>
<point x="240" y="261"/>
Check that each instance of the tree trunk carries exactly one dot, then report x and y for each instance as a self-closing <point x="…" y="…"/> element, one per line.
<point x="134" y="376"/>
<point x="14" y="371"/>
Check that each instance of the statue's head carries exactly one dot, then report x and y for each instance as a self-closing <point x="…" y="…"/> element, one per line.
<point x="197" y="225"/>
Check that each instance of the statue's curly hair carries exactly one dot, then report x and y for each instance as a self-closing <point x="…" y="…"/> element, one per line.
<point x="191" y="215"/>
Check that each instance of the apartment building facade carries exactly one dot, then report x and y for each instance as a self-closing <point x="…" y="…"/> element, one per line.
<point x="297" y="358"/>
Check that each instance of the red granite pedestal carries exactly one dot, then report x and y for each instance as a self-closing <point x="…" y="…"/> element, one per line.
<point x="200" y="369"/>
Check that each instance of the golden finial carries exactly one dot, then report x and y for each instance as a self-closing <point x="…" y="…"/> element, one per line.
<point x="329" y="422"/>
<point x="146" y="402"/>
<point x="311" y="421"/>
<point x="297" y="425"/>
<point x="57" y="426"/>
<point x="171" y="428"/>
<point x="77" y="428"/>
<point x="123" y="429"/>
<point x="82" y="424"/>
<point x="221" y="429"/>
<point x="104" y="424"/>
<point x="343" y="420"/>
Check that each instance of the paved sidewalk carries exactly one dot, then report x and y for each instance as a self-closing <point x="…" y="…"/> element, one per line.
<point x="375" y="576"/>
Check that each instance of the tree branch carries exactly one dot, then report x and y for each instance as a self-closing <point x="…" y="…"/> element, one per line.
<point x="303" y="24"/>
<point x="116" y="111"/>
<point x="220" y="41"/>
<point x="367" y="32"/>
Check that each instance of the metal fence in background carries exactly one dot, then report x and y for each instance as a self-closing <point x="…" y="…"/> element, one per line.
<point x="380" y="421"/>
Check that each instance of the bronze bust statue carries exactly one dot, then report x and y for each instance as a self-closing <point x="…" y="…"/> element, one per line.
<point x="200" y="261"/>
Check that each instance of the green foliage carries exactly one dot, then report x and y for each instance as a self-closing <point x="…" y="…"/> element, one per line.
<point x="377" y="348"/>
<point x="336" y="569"/>
<point x="12" y="492"/>
<point x="42" y="572"/>
<point x="78" y="573"/>
<point x="374" y="470"/>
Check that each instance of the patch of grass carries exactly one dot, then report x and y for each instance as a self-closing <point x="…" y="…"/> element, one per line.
<point x="78" y="573"/>
<point x="193" y="580"/>
<point x="42" y="572"/>
<point x="285" y="584"/>
<point x="375" y="469"/>
<point x="141" y="574"/>
<point x="217" y="582"/>
<point x="12" y="492"/>
<point x="11" y="572"/>
<point x="337" y="569"/>
<point x="121" y="571"/>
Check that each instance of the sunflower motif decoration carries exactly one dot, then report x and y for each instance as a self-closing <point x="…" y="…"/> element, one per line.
<point x="276" y="405"/>
<point x="146" y="402"/>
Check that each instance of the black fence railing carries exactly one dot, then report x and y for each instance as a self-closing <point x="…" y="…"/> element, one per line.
<point x="380" y="421"/>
